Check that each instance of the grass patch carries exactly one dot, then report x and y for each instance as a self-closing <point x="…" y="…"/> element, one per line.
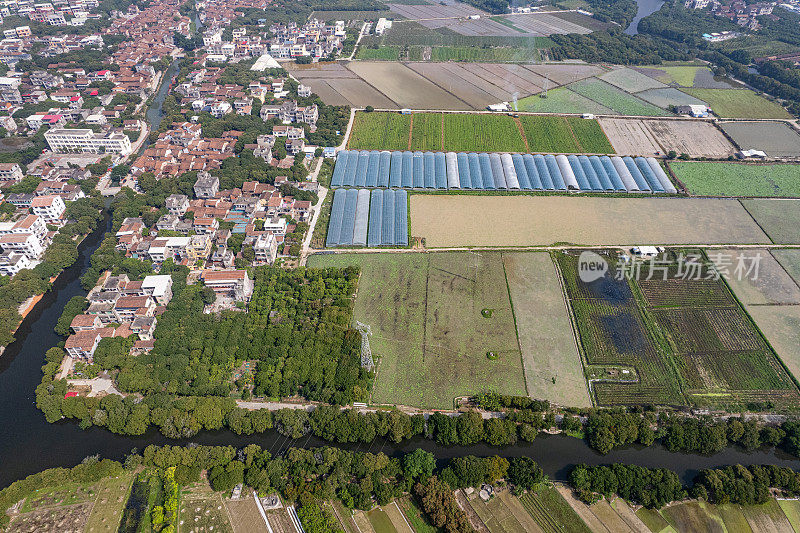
<point x="738" y="179"/>
<point x="380" y="521"/>
<point x="739" y="103"/>
<point x="428" y="331"/>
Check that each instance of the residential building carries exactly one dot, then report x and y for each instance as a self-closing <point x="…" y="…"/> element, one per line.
<point x="50" y="208"/>
<point x="25" y="243"/>
<point x="232" y="283"/>
<point x="85" y="140"/>
<point x="266" y="248"/>
<point x="159" y="287"/>
<point x="12" y="262"/>
<point x="10" y="173"/>
<point x="206" y="186"/>
<point x="177" y="204"/>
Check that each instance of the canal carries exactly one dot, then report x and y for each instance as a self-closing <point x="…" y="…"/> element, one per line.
<point x="645" y="8"/>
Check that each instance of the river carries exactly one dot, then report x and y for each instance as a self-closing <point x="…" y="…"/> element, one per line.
<point x="645" y="8"/>
<point x="29" y="444"/>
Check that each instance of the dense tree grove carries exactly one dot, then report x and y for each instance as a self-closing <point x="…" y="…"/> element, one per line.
<point x="440" y="505"/>
<point x="650" y="487"/>
<point x="745" y="485"/>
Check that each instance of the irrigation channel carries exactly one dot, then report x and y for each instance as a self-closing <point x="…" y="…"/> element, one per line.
<point x="29" y="444"/>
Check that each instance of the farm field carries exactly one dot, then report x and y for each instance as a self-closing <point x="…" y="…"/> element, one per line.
<point x="460" y="220"/>
<point x="779" y="218"/>
<point x="244" y="515"/>
<point x="780" y="324"/>
<point x="380" y="131"/>
<point x="619" y="101"/>
<point x="688" y="76"/>
<point x="414" y="515"/>
<point x="770" y="284"/>
<point x="460" y="132"/>
<point x="651" y="137"/>
<point x="564" y="135"/>
<point x="612" y="331"/>
<point x="435" y="85"/>
<point x="203" y="510"/>
<point x="701" y="516"/>
<point x="481" y="133"/>
<point x="668" y="96"/>
<point x="428" y="326"/>
<point x="112" y="494"/>
<point x="562" y="100"/>
<point x="630" y="80"/>
<point x="738" y="103"/>
<point x="551" y="511"/>
<point x="775" y="138"/>
<point x="553" y="368"/>
<point x="469" y="53"/>
<point x="790" y="260"/>
<point x="383" y="53"/>
<point x="502" y="514"/>
<point x="738" y="179"/>
<point x="791" y="508"/>
<point x="656" y="325"/>
<point x="404" y="86"/>
<point x="426" y="132"/>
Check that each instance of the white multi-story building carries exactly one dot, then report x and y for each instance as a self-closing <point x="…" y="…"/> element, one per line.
<point x="28" y="224"/>
<point x="83" y="140"/>
<point x="25" y="243"/>
<point x="12" y="262"/>
<point x="10" y="172"/>
<point x="49" y="207"/>
<point x="266" y="248"/>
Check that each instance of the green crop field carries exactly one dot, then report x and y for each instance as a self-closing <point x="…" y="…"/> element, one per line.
<point x="619" y="101"/>
<point x="738" y="179"/>
<point x="481" y="133"/>
<point x="590" y="136"/>
<point x="549" y="134"/>
<point x="739" y="103"/>
<point x="426" y="132"/>
<point x="476" y="54"/>
<point x="429" y="334"/>
<point x="551" y="511"/>
<point x="383" y="53"/>
<point x="380" y="131"/>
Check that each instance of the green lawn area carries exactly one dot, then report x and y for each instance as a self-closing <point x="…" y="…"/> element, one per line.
<point x="481" y="133"/>
<point x="738" y="103"/>
<point x="383" y="53"/>
<point x="616" y="99"/>
<point x="429" y="336"/>
<point x="380" y="131"/>
<point x="737" y="179"/>
<point x="426" y="132"/>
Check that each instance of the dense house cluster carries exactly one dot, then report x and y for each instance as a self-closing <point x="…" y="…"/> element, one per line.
<point x="191" y="233"/>
<point x="119" y="307"/>
<point x="313" y="39"/>
<point x="740" y="12"/>
<point x="202" y="92"/>
<point x="183" y="148"/>
<point x="54" y="13"/>
<point x="149" y="31"/>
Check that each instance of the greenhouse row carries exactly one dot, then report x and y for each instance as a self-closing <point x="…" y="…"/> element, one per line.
<point x="492" y="171"/>
<point x="361" y="217"/>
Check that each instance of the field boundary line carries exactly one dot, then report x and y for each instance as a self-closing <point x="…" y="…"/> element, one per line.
<point x="757" y="223"/>
<point x="514" y="318"/>
<point x="575" y="137"/>
<point x="518" y="122"/>
<point x="410" y="131"/>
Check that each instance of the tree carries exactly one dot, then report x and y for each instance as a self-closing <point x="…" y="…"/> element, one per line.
<point x="418" y="465"/>
<point x="524" y="472"/>
<point x="208" y="295"/>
